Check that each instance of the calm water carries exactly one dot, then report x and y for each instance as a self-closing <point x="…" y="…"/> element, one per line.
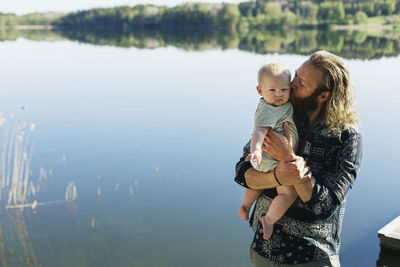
<point x="150" y="136"/>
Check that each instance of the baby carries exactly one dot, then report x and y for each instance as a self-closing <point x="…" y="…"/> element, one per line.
<point x="272" y="111"/>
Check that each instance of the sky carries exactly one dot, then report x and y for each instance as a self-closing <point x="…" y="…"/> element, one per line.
<point x="28" y="6"/>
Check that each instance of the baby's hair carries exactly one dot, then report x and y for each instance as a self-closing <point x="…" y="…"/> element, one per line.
<point x="274" y="69"/>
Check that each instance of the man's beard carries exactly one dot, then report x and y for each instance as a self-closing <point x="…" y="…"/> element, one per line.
<point x="305" y="104"/>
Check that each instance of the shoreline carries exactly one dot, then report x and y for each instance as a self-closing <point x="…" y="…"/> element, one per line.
<point x="334" y="27"/>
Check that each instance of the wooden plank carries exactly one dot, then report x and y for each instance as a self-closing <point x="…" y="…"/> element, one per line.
<point x="390" y="235"/>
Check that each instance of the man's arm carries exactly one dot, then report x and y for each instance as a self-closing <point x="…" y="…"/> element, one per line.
<point x="287" y="173"/>
<point x="248" y="177"/>
<point x="292" y="169"/>
<point x="260" y="180"/>
<point x="332" y="186"/>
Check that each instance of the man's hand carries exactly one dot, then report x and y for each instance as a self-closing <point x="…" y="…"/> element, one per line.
<point x="293" y="172"/>
<point x="279" y="147"/>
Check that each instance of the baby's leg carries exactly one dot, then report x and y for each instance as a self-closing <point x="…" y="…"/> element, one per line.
<point x="280" y="204"/>
<point x="250" y="195"/>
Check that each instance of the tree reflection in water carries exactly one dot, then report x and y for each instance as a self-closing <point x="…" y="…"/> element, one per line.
<point x="348" y="44"/>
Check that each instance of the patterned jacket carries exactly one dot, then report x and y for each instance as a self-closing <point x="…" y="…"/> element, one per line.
<point x="310" y="231"/>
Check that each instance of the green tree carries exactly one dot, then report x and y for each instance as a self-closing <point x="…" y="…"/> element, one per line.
<point x="273" y="9"/>
<point x="2" y="21"/>
<point x="387" y="7"/>
<point x="246" y="8"/>
<point x="331" y="12"/>
<point x="229" y="15"/>
<point x="360" y="18"/>
<point x="308" y="11"/>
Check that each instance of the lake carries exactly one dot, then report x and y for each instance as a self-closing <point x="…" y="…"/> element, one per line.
<point x="122" y="146"/>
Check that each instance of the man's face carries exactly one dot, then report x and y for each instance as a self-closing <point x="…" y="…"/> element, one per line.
<point x="304" y="85"/>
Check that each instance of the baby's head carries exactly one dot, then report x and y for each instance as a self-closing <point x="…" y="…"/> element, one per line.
<point x="274" y="83"/>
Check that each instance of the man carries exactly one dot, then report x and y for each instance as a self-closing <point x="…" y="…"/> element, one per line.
<point x="323" y="172"/>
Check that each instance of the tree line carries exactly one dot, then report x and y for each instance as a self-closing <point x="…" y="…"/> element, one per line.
<point x="251" y="14"/>
<point x="10" y="19"/>
<point x="315" y="12"/>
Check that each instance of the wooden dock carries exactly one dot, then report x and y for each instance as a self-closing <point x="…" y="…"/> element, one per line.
<point x="390" y="235"/>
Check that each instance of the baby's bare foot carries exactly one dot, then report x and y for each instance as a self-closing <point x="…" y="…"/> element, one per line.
<point x="244" y="213"/>
<point x="268" y="228"/>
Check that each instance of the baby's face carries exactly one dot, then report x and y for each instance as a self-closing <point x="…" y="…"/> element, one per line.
<point x="274" y="90"/>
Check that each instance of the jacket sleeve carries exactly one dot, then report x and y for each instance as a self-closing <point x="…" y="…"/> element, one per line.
<point x="334" y="183"/>
<point x="242" y="166"/>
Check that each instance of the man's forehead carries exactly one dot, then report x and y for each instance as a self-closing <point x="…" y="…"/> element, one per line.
<point x="308" y="74"/>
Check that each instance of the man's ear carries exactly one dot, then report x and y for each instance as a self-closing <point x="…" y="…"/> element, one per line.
<point x="259" y="90"/>
<point x="324" y="96"/>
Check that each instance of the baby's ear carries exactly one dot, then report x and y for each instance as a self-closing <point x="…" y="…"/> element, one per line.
<point x="259" y="90"/>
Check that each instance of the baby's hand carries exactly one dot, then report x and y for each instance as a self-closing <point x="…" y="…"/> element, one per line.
<point x="255" y="157"/>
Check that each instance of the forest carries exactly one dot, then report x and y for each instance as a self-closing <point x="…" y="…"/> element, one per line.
<point x="250" y="14"/>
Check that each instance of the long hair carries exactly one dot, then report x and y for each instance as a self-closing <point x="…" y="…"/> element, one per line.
<point x="340" y="110"/>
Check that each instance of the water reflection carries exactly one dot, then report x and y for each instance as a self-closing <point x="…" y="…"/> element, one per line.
<point x="388" y="258"/>
<point x="27" y="231"/>
<point x="116" y="187"/>
<point x="15" y="244"/>
<point x="348" y="44"/>
<point x="131" y="191"/>
<point x="93" y="223"/>
<point x="16" y="154"/>
<point x="71" y="193"/>
<point x="156" y="170"/>
<point x="98" y="192"/>
<point x="17" y="190"/>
